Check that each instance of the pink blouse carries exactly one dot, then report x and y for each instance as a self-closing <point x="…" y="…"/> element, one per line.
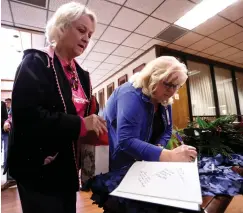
<point x="79" y="98"/>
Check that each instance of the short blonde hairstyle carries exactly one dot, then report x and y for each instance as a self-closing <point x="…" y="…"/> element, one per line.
<point x="62" y="19"/>
<point x="155" y="71"/>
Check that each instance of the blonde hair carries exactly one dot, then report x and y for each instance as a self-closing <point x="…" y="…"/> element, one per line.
<point x="63" y="17"/>
<point x="155" y="71"/>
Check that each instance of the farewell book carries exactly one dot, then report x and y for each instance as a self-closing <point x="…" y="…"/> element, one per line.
<point x="165" y="183"/>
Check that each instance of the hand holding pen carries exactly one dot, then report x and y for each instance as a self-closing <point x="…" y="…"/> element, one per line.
<point x="192" y="153"/>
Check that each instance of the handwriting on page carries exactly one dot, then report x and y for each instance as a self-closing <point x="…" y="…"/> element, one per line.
<point x="181" y="174"/>
<point x="151" y="182"/>
<point x="143" y="178"/>
<point x="164" y="174"/>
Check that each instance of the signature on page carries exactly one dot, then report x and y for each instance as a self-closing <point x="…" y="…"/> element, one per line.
<point x="165" y="174"/>
<point x="143" y="178"/>
<point x="181" y="174"/>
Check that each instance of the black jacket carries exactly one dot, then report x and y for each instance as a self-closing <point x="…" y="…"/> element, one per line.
<point x="4" y="114"/>
<point x="40" y="126"/>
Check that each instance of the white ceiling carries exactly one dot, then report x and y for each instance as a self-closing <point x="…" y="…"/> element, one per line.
<point x="126" y="28"/>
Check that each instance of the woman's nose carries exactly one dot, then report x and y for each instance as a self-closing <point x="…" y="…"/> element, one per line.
<point x="85" y="38"/>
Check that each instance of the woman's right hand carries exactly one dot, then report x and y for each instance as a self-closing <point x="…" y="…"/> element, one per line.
<point x="6" y="126"/>
<point x="181" y="153"/>
<point x="95" y="123"/>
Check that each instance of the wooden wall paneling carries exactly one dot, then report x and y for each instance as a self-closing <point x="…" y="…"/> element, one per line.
<point x="180" y="108"/>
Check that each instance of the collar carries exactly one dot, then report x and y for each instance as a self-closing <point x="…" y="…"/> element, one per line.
<point x="49" y="50"/>
<point x="65" y="64"/>
<point x="139" y="92"/>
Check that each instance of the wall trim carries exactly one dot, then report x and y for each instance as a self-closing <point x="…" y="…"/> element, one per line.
<point x="146" y="51"/>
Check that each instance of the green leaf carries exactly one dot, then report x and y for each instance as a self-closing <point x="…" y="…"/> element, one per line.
<point x="202" y="124"/>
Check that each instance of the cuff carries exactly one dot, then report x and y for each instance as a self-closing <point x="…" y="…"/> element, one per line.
<point x="153" y="154"/>
<point x="83" y="130"/>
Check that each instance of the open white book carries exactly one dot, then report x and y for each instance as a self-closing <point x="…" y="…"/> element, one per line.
<point x="165" y="183"/>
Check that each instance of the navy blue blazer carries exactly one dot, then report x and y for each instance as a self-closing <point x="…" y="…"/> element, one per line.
<point x="41" y="127"/>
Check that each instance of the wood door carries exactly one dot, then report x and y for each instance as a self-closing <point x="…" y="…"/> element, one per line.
<point x="180" y="109"/>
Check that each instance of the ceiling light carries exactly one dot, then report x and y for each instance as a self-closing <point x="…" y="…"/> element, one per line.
<point x="202" y="12"/>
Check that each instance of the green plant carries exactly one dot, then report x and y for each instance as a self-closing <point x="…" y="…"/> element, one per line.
<point x="220" y="136"/>
<point x="173" y="142"/>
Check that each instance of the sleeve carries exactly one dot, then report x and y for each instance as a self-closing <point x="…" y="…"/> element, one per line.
<point x="4" y="113"/>
<point x="94" y="106"/>
<point x="168" y="131"/>
<point x="97" y="106"/>
<point x="28" y="100"/>
<point x="129" y="126"/>
<point x="83" y="130"/>
<point x="9" y="120"/>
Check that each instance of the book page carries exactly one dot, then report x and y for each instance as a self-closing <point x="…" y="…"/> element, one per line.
<point x="155" y="200"/>
<point x="167" y="180"/>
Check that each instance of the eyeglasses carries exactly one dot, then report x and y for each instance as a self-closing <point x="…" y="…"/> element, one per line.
<point x="173" y="86"/>
<point x="74" y="79"/>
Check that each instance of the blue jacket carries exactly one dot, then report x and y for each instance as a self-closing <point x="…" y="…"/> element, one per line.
<point x="129" y="115"/>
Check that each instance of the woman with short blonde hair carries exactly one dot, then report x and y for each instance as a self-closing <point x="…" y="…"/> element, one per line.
<point x="138" y="116"/>
<point x="52" y="110"/>
<point x="63" y="18"/>
<point x="155" y="71"/>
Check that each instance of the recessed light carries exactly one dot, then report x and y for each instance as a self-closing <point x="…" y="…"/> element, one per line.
<point x="15" y="36"/>
<point x="202" y="12"/>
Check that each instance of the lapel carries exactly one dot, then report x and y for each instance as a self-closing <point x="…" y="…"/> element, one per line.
<point x="164" y="115"/>
<point x="64" y="86"/>
<point x="63" y="81"/>
<point x="84" y="80"/>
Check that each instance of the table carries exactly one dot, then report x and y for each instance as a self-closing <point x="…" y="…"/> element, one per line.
<point x="219" y="203"/>
<point x="216" y="204"/>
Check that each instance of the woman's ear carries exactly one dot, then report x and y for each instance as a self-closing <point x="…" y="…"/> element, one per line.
<point x="176" y="96"/>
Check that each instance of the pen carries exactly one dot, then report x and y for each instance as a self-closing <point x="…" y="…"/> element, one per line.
<point x="179" y="138"/>
<point x="182" y="143"/>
